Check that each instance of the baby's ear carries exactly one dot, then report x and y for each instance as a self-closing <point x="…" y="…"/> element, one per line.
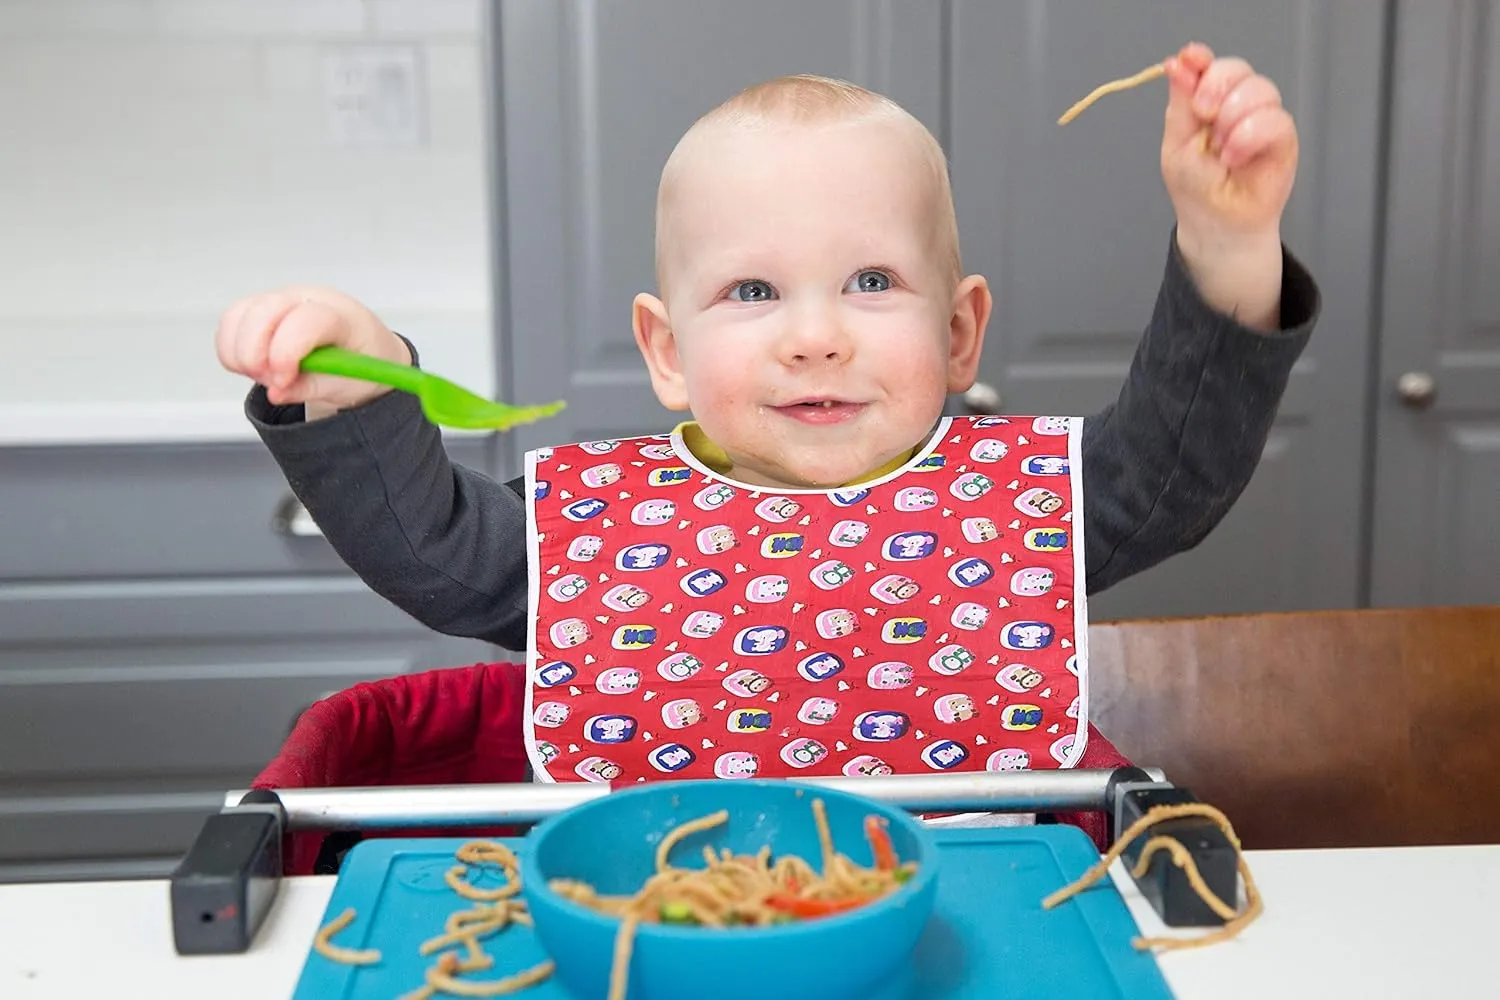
<point x="966" y="325"/>
<point x="658" y="345"/>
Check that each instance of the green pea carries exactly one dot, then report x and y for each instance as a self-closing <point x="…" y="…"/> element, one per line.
<point x="675" y="912"/>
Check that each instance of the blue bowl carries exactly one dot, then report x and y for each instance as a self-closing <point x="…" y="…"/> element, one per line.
<point x="611" y="844"/>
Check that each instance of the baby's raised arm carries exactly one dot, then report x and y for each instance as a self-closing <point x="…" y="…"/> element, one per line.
<point x="444" y="543"/>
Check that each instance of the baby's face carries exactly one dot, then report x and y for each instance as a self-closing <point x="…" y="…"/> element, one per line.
<point x="805" y="264"/>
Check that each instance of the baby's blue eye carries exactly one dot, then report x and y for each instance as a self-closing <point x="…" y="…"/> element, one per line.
<point x="871" y="281"/>
<point x="752" y="291"/>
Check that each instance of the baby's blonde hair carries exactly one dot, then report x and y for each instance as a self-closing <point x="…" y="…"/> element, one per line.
<point x="805" y="99"/>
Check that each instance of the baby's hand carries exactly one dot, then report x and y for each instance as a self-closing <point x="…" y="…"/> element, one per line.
<point x="266" y="337"/>
<point x="1228" y="152"/>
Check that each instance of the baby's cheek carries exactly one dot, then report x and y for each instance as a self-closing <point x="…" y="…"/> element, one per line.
<point x="719" y="380"/>
<point x="917" y="354"/>
<point x="728" y="417"/>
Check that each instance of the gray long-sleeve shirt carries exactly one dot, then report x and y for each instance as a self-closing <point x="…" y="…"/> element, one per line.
<point x="1161" y="467"/>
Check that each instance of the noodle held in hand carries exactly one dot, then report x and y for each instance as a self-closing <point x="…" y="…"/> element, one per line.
<point x="1114" y="86"/>
<point x="742" y="890"/>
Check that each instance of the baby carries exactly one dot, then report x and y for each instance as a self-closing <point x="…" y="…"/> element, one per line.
<point x="812" y="315"/>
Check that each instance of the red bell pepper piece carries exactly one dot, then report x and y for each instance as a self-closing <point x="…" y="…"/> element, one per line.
<point x="880" y="843"/>
<point x="811" y="909"/>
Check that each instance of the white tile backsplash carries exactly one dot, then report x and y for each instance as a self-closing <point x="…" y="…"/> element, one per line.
<point x="27" y="19"/>
<point x="453" y="68"/>
<point x="428" y="17"/>
<point x="296" y="67"/>
<point x="257" y="18"/>
<point x="290" y="66"/>
<point x="163" y="158"/>
<point x="139" y="66"/>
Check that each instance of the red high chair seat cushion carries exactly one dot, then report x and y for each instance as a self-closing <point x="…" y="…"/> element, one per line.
<point x="456" y="726"/>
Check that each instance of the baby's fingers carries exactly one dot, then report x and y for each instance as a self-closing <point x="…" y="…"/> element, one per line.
<point x="1181" y="123"/>
<point x="1194" y="57"/>
<point x="300" y="389"/>
<point x="253" y="333"/>
<point x="1251" y="95"/>
<point x="1216" y="83"/>
<point x="225" y="342"/>
<point x="306" y="325"/>
<point x="1265" y="130"/>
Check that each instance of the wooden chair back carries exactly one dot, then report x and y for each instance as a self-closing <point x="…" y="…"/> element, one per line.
<point x="1321" y="729"/>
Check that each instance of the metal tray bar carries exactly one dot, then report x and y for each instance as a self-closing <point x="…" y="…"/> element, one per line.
<point x="1068" y="790"/>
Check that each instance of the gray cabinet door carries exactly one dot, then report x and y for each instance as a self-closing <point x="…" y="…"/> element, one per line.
<point x="1071" y="225"/>
<point x="1436" y="535"/>
<point x="158" y="636"/>
<point x="127" y="708"/>
<point x="591" y="99"/>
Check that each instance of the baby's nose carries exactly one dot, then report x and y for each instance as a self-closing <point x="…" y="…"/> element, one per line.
<point x="815" y="333"/>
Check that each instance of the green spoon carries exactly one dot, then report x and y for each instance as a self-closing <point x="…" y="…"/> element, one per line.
<point x="444" y="403"/>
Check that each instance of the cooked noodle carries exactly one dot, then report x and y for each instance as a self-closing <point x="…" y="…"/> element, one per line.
<point x="732" y="890"/>
<point x="492" y="912"/>
<point x="1234" y="922"/>
<point x="323" y="943"/>
<point x="684" y="831"/>
<point x="739" y="890"/>
<point x="1144" y="76"/>
<point x="742" y="890"/>
<point x="458" y="883"/>
<point x="440" y="980"/>
<point x="619" y="972"/>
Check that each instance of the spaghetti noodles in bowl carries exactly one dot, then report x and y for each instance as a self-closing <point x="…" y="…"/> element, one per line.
<point x="611" y="846"/>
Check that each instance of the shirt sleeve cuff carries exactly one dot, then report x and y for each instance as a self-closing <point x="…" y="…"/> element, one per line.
<point x="268" y="417"/>
<point x="1301" y="300"/>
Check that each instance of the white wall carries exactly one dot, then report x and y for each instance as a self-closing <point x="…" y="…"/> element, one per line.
<point x="160" y="158"/>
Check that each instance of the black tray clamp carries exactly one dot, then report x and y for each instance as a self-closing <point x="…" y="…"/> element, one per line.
<point x="224" y="886"/>
<point x="1164" y="884"/>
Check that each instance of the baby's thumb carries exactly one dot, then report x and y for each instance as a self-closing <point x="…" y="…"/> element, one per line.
<point x="306" y="326"/>
<point x="298" y="390"/>
<point x="1182" y="122"/>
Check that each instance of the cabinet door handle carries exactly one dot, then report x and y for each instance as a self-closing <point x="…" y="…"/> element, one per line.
<point x="292" y="519"/>
<point x="1417" y="389"/>
<point x="982" y="398"/>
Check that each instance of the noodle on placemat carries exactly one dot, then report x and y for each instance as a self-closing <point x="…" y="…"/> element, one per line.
<point x="492" y="912"/>
<point x="743" y="891"/>
<point x="440" y="980"/>
<point x="482" y="852"/>
<point x="323" y="943"/>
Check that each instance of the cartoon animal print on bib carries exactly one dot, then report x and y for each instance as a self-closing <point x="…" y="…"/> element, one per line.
<point x="689" y="627"/>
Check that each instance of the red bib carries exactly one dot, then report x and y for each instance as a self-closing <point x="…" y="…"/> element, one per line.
<point x="688" y="626"/>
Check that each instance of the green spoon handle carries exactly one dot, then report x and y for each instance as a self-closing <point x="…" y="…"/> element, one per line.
<point x="351" y="364"/>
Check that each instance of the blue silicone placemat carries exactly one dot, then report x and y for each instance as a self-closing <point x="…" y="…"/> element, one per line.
<point x="989" y="938"/>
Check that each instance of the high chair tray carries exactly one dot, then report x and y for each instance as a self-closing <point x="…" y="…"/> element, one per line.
<point x="989" y="938"/>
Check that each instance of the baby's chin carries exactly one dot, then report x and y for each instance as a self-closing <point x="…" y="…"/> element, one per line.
<point x="808" y="471"/>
